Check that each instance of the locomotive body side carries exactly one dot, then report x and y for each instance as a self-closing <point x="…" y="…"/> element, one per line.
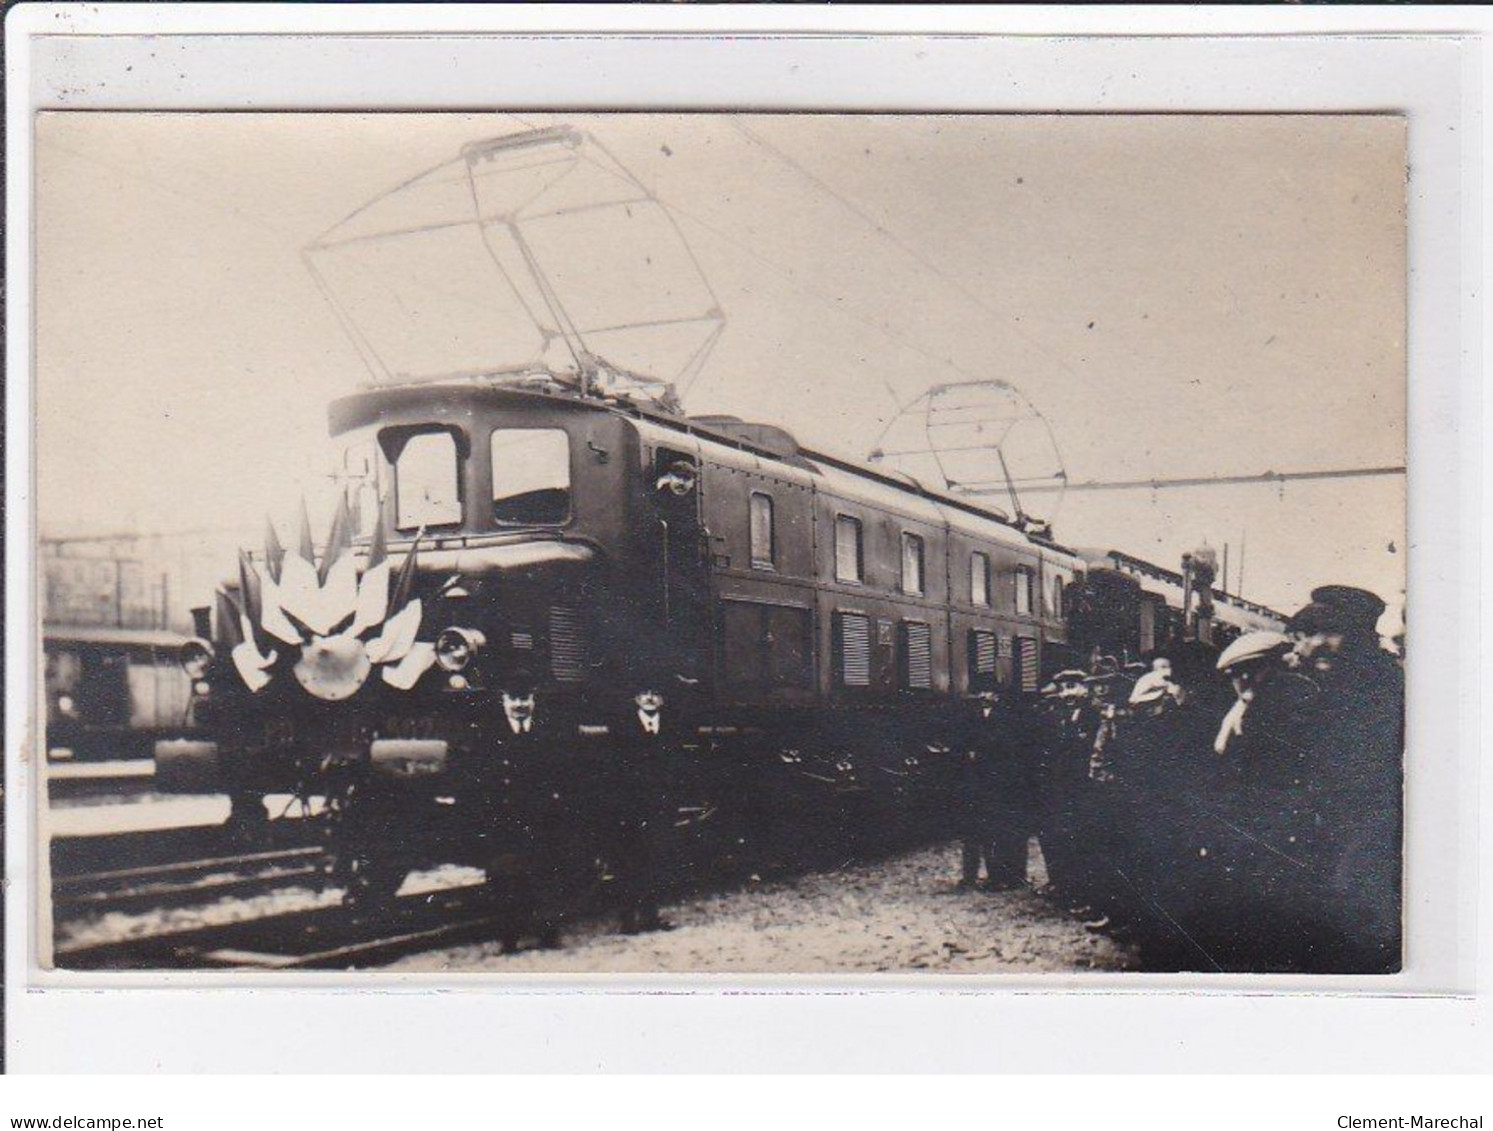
<point x="742" y="588"/>
<point x="834" y="588"/>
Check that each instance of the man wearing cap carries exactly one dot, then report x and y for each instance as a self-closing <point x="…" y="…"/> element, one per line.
<point x="1357" y="745"/>
<point x="1253" y="664"/>
<point x="1155" y="692"/>
<point x="1264" y="742"/>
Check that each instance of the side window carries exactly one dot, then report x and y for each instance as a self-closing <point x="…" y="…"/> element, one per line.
<point x="912" y="564"/>
<point x="979" y="579"/>
<point x="853" y="648"/>
<point x="917" y="656"/>
<point x="357" y="472"/>
<point x="1057" y="597"/>
<point x="1023" y="581"/>
<point x="530" y="476"/>
<point x="763" y="536"/>
<point x="849" y="555"/>
<point x="982" y="652"/>
<point x="427" y="480"/>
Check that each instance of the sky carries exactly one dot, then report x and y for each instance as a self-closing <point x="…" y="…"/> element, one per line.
<point x="1178" y="296"/>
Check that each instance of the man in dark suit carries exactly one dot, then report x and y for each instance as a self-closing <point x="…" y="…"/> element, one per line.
<point x="529" y="808"/>
<point x="1355" y="740"/>
<point x="642" y="813"/>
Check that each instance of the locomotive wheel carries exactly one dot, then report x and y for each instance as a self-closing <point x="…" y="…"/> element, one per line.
<point x="247" y="817"/>
<point x="369" y="883"/>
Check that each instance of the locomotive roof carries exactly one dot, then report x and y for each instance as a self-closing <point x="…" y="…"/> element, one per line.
<point x="857" y="481"/>
<point x="114" y="637"/>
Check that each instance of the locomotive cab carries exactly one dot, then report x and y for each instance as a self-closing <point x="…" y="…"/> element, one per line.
<point x="482" y="463"/>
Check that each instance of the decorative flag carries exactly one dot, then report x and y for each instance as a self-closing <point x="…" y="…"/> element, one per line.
<point x="406" y="582"/>
<point x="274" y="553"/>
<point x="227" y="615"/>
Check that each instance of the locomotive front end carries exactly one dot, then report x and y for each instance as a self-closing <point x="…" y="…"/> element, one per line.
<point x="414" y="682"/>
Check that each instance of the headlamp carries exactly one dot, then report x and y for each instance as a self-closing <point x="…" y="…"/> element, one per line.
<point x="196" y="658"/>
<point x="455" y="648"/>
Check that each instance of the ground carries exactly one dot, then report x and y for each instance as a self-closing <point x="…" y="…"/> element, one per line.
<point x="900" y="915"/>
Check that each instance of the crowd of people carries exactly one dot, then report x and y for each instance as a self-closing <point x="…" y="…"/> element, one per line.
<point x="1237" y="810"/>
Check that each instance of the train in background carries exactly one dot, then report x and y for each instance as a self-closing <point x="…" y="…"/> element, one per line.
<point x="533" y="579"/>
<point x="112" y="677"/>
<point x="1131" y="608"/>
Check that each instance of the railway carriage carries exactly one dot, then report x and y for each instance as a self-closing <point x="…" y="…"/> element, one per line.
<point x="112" y="693"/>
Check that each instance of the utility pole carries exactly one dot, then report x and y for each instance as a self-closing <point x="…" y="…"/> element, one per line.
<point x="1243" y="539"/>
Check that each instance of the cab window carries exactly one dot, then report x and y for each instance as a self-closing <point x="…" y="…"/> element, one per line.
<point x="427" y="477"/>
<point x="530" y="476"/>
<point x="355" y="474"/>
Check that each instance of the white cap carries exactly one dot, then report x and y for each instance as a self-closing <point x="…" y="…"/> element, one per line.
<point x="1253" y="646"/>
<point x="1149" y="688"/>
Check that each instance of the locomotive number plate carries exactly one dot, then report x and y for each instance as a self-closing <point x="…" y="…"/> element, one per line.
<point x="404" y="726"/>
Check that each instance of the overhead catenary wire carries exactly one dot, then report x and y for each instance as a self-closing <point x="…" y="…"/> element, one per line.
<point x="1266" y="478"/>
<point x="897" y="241"/>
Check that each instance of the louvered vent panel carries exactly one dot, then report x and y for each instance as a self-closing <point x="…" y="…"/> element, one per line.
<point x="855" y="650"/>
<point x="919" y="655"/>
<point x="567" y="645"/>
<point x="984" y="653"/>
<point x="1028" y="649"/>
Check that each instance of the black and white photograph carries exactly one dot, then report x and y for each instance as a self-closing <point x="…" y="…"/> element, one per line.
<point x="685" y="543"/>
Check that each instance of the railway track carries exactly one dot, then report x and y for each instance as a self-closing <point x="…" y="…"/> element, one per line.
<point x="184" y="882"/>
<point x="327" y="938"/>
<point x="73" y="857"/>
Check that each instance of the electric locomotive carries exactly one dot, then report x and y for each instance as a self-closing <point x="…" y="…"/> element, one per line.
<point x="538" y="572"/>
